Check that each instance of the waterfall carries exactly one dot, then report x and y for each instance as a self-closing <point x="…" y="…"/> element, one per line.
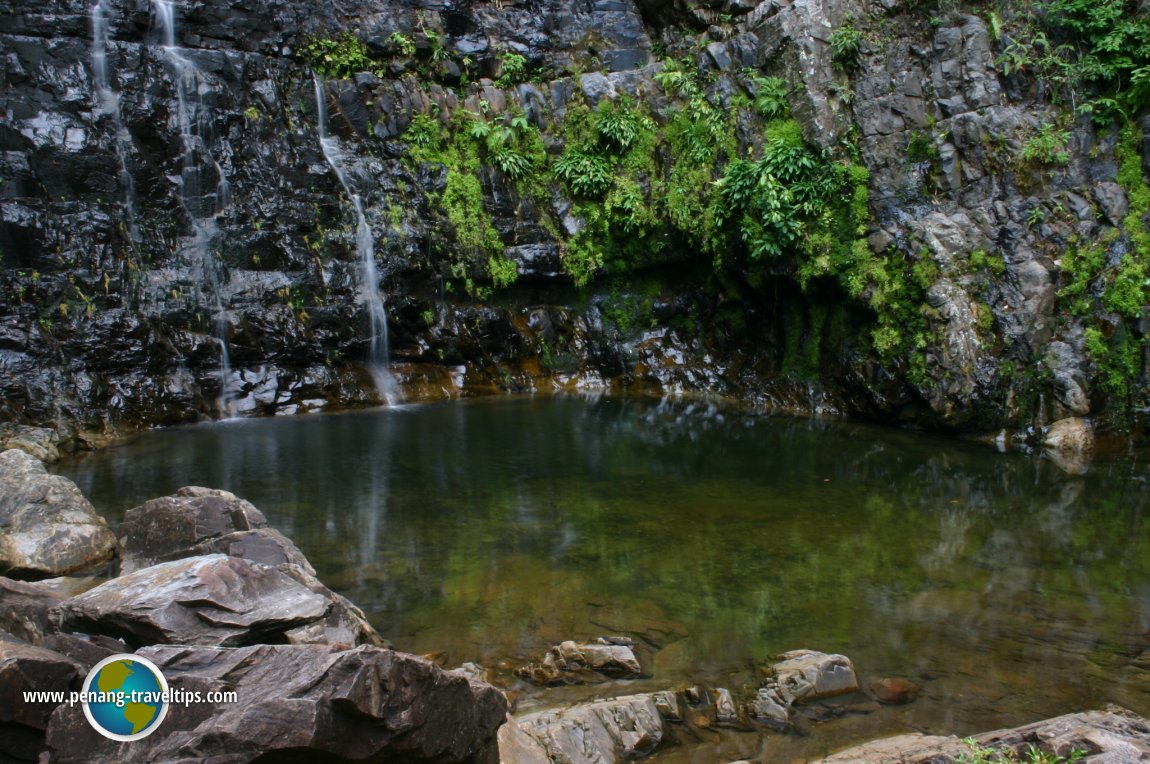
<point x="108" y="102"/>
<point x="201" y="205"/>
<point x="370" y="294"/>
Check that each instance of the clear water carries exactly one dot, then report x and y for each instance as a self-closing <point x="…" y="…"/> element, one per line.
<point x="489" y="530"/>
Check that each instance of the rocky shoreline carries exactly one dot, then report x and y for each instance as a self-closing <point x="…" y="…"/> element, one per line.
<point x="219" y="600"/>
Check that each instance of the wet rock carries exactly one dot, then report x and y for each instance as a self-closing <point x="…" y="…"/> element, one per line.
<point x="600" y="732"/>
<point x="24" y="609"/>
<point x="570" y="662"/>
<point x="769" y="707"/>
<point x="893" y="691"/>
<point x="1111" y="735"/>
<point x="47" y="527"/>
<point x="725" y="711"/>
<point x="25" y="667"/>
<point x="198" y="521"/>
<point x="803" y="676"/>
<point x="1069" y="443"/>
<point x="40" y="442"/>
<point x="216" y="600"/>
<point x="516" y="746"/>
<point x="311" y="702"/>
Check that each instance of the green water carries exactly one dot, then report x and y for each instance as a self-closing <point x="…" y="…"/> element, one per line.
<point x="490" y="530"/>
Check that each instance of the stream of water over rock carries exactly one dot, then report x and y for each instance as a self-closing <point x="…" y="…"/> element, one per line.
<point x="490" y="530"/>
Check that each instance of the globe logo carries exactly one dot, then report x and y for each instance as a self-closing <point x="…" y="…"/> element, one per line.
<point x="125" y="697"/>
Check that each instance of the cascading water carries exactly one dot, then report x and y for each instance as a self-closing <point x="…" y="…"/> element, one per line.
<point x="202" y="206"/>
<point x="365" y="249"/>
<point x="108" y="102"/>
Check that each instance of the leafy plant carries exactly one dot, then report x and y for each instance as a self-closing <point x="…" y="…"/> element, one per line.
<point x="339" y="57"/>
<point x="587" y="174"/>
<point x="1050" y="145"/>
<point x="512" y="69"/>
<point x="771" y="97"/>
<point x="403" y="44"/>
<point x="980" y="754"/>
<point x="846" y="44"/>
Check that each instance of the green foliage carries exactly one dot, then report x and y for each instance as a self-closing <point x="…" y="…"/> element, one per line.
<point x="846" y="44"/>
<point x="980" y="754"/>
<point x="1114" y="36"/>
<point x="512" y="69"/>
<point x="588" y="175"/>
<point x="920" y="147"/>
<point x="423" y="132"/>
<point x="771" y="97"/>
<point x="403" y="44"/>
<point x="980" y="259"/>
<point x="1050" y="145"/>
<point x="338" y="58"/>
<point x="503" y="272"/>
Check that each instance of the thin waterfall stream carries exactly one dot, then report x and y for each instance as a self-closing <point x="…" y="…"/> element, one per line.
<point x="370" y="294"/>
<point x="202" y="206"/>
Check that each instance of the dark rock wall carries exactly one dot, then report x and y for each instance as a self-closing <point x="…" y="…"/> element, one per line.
<point x="124" y="261"/>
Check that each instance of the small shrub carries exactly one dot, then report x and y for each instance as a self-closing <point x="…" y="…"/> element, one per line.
<point x="588" y="175"/>
<point x="1050" y="145"/>
<point x="846" y="44"/>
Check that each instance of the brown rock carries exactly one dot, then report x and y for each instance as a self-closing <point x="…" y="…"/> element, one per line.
<point x="894" y="692"/>
<point x="24" y="609"/>
<point x="308" y="702"/>
<point x="807" y="675"/>
<point x="216" y="600"/>
<point x="198" y="521"/>
<point x="570" y="662"/>
<point x="25" y="667"/>
<point x="47" y="527"/>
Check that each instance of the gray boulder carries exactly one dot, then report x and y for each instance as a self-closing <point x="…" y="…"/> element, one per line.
<point x="571" y="662"/>
<point x="47" y="527"/>
<point x="198" y="521"/>
<point x="24" y="609"/>
<point x="302" y="702"/>
<point x="216" y="600"/>
<point x="601" y="732"/>
<point x="803" y="676"/>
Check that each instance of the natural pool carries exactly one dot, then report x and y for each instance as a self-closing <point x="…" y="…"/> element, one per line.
<point x="492" y="529"/>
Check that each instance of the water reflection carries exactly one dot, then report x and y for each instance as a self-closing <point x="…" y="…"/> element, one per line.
<point x="492" y="529"/>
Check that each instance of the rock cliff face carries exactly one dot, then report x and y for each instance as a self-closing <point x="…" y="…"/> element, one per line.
<point x="194" y="224"/>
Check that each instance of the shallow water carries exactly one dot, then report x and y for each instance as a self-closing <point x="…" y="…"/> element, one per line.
<point x="489" y="530"/>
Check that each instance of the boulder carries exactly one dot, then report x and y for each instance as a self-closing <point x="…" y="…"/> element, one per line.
<point x="197" y="521"/>
<point x="24" y="609"/>
<point x="216" y="600"/>
<point x="26" y="667"/>
<point x="40" y="442"/>
<point x="47" y="527"/>
<point x="600" y="732"/>
<point x="301" y="702"/>
<point x="1111" y="735"/>
<point x="570" y="662"/>
<point x="803" y="676"/>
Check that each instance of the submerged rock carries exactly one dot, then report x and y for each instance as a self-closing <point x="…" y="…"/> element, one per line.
<point x="305" y="703"/>
<point x="893" y="691"/>
<point x="47" y="527"/>
<point x="216" y="600"/>
<point x="197" y="521"/>
<point x="571" y="662"/>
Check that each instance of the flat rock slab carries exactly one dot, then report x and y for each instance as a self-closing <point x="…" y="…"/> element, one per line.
<point x="1111" y="736"/>
<point x="303" y="702"/>
<point x="215" y="600"/>
<point x="601" y="732"/>
<point x="197" y="521"/>
<point x="24" y="609"/>
<point x="47" y="527"/>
